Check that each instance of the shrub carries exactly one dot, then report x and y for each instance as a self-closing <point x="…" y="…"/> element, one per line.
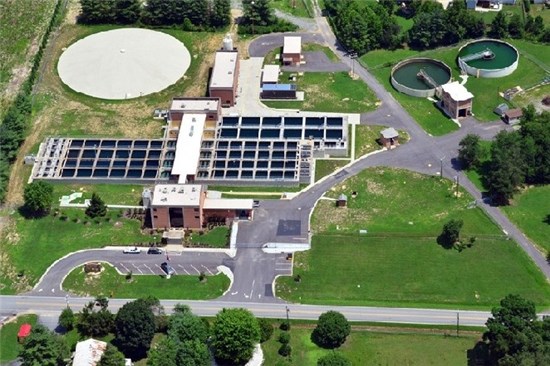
<point x="285" y="325"/>
<point x="285" y="350"/>
<point x="284" y="337"/>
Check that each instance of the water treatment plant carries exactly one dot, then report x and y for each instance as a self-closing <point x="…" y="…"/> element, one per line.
<point x="488" y="58"/>
<point x="420" y="77"/>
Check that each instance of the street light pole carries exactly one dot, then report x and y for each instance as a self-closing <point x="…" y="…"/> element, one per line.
<point x="441" y="167"/>
<point x="252" y="17"/>
<point x="287" y="318"/>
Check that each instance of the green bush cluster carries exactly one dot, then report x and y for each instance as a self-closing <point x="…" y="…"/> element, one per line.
<point x="14" y="125"/>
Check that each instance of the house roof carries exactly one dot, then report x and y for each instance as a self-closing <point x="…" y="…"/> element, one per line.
<point x="89" y="352"/>
<point x="225" y="67"/>
<point x="271" y="74"/>
<point x="292" y="45"/>
<point x="513" y="113"/>
<point x="457" y="91"/>
<point x="389" y="133"/>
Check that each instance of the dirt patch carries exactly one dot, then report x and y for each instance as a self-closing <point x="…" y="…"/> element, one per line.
<point x="73" y="10"/>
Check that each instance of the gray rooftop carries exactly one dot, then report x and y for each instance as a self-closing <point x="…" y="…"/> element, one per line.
<point x="225" y="66"/>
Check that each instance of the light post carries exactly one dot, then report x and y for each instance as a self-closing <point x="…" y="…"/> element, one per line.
<point x="441" y="167"/>
<point x="252" y="17"/>
<point x="287" y="318"/>
<point x="67" y="300"/>
<point x="353" y="56"/>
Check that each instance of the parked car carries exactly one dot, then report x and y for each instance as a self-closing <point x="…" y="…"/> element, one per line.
<point x="255" y="204"/>
<point x="154" y="250"/>
<point x="167" y="268"/>
<point x="131" y="250"/>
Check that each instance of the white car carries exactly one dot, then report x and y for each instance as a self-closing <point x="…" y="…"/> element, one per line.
<point x="131" y="250"/>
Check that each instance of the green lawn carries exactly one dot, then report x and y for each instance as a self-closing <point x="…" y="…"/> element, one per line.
<point x="366" y="139"/>
<point x="330" y="92"/>
<point x="299" y="8"/>
<point x="112" y="194"/>
<point x="308" y="47"/>
<point x="485" y="90"/>
<point x="33" y="245"/>
<point x="324" y="167"/>
<point x="110" y="283"/>
<point x="218" y="237"/>
<point x="244" y="189"/>
<point x="375" y="348"/>
<point x="530" y="211"/>
<point x="399" y="263"/>
<point x="9" y="347"/>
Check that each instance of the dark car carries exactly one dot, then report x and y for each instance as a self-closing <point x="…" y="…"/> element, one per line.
<point x="167" y="268"/>
<point x="154" y="250"/>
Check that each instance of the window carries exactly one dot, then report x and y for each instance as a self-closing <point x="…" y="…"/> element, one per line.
<point x="197" y="217"/>
<point x="155" y="217"/>
<point x="196" y="210"/>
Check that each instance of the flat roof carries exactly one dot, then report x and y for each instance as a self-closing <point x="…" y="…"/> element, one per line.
<point x="292" y="45"/>
<point x="188" y="145"/>
<point x="228" y="203"/>
<point x="195" y="104"/>
<point x="267" y="87"/>
<point x="271" y="73"/>
<point x="176" y="195"/>
<point x="225" y="66"/>
<point x="457" y="91"/>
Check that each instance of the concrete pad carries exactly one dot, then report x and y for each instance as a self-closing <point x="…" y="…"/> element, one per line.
<point x="123" y="63"/>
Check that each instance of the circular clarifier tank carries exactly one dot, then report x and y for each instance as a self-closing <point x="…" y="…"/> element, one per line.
<point x="419" y="77"/>
<point x="488" y="58"/>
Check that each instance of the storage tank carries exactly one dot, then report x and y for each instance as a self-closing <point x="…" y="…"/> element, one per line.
<point x="227" y="43"/>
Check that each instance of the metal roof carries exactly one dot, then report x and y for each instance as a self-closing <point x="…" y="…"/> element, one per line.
<point x="292" y="45"/>
<point x="188" y="145"/>
<point x="389" y="133"/>
<point x="225" y="66"/>
<point x="278" y="87"/>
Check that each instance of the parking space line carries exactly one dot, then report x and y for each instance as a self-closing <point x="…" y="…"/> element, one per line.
<point x="208" y="269"/>
<point x="140" y="271"/>
<point x="149" y="268"/>
<point x="198" y="272"/>
<point x="123" y="266"/>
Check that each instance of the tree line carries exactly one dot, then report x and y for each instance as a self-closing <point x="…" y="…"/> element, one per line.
<point x="516" y="157"/>
<point x="258" y="18"/>
<point x="363" y="26"/>
<point x="15" y="123"/>
<point x="191" y="15"/>
<point x="190" y="340"/>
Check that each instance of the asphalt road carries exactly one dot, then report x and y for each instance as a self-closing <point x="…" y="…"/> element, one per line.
<point x="52" y="306"/>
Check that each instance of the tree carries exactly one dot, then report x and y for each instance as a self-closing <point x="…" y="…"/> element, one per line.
<point x="111" y="357"/>
<point x="43" y="348"/>
<point x="93" y="322"/>
<point x="451" y="233"/>
<point x="429" y="29"/>
<point x="187" y="327"/>
<point x="266" y="329"/>
<point x="193" y="353"/>
<point x="97" y="11"/>
<point x="38" y="198"/>
<point x="499" y="26"/>
<point x="164" y="353"/>
<point x="285" y="350"/>
<point x="470" y="151"/>
<point x="331" y="331"/>
<point x="506" y="168"/>
<point x="234" y="335"/>
<point x="97" y="207"/>
<point x="514" y="335"/>
<point x="535" y="139"/>
<point x="220" y="16"/>
<point x="333" y="359"/>
<point x="135" y="328"/>
<point x="516" y="28"/>
<point x="66" y="319"/>
<point x="127" y="11"/>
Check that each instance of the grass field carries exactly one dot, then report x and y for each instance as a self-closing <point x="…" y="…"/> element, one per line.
<point x="330" y="92"/>
<point x="366" y="139"/>
<point x="23" y="26"/>
<point x="308" y="47"/>
<point x="218" y="237"/>
<point x="399" y="263"/>
<point x="9" y="347"/>
<point x="375" y="348"/>
<point x="110" y="283"/>
<point x="530" y="211"/>
<point x="486" y="97"/>
<point x="299" y="8"/>
<point x="324" y="167"/>
<point x="112" y="194"/>
<point x="31" y="246"/>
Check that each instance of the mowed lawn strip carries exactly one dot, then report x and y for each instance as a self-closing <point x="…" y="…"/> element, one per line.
<point x="112" y="194"/>
<point x="9" y="347"/>
<point x="530" y="211"/>
<point x="110" y="283"/>
<point x="33" y="245"/>
<point x="214" y="238"/>
<point x="324" y="167"/>
<point x="375" y="348"/>
<point x="398" y="262"/>
<point x="329" y="92"/>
